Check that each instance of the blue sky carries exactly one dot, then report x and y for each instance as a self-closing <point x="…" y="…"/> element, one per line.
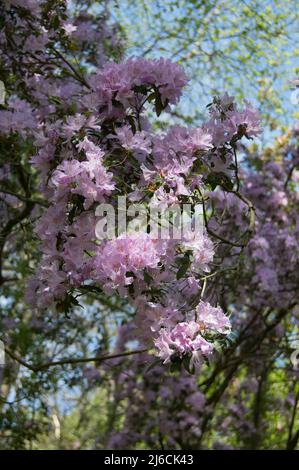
<point x="141" y="21"/>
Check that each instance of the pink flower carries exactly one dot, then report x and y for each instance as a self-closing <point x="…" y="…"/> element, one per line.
<point x="88" y="178"/>
<point x="227" y="122"/>
<point x="47" y="285"/>
<point x="66" y="173"/>
<point x="117" y="81"/>
<point x="69" y="28"/>
<point x="139" y="142"/>
<point x="249" y="118"/>
<point x="200" y="139"/>
<point x="119" y="260"/>
<point x="42" y="160"/>
<point x="163" y="343"/>
<point x="75" y="123"/>
<point x="183" y="339"/>
<point x="213" y="318"/>
<point x="202" y="249"/>
<point x="18" y="118"/>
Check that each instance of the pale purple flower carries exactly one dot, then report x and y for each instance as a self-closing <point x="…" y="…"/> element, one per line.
<point x="139" y="142"/>
<point x="199" y="140"/>
<point x="69" y="28"/>
<point x="75" y="123"/>
<point x="117" y="81"/>
<point x="249" y="118"/>
<point x="184" y="338"/>
<point x="202" y="249"/>
<point x="18" y="118"/>
<point x="127" y="254"/>
<point x="213" y="318"/>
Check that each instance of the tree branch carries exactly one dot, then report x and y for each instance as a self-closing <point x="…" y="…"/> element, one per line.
<point x="62" y="362"/>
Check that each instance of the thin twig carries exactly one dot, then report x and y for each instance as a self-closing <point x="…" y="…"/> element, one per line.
<point x="61" y="362"/>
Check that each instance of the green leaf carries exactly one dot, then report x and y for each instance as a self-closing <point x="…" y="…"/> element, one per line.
<point x="184" y="266"/>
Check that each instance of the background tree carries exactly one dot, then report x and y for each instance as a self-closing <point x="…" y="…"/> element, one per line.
<point x="89" y="405"/>
<point x="246" y="47"/>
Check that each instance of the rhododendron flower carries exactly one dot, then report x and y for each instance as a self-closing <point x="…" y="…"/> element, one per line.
<point x="199" y="140"/>
<point x="88" y="178"/>
<point x="139" y="142"/>
<point x="162" y="199"/>
<point x="66" y="172"/>
<point x="76" y="123"/>
<point x="186" y="338"/>
<point x="118" y="260"/>
<point x="249" y="118"/>
<point x="69" y="28"/>
<point x="183" y="339"/>
<point x="18" y="118"/>
<point x="213" y="318"/>
<point x="48" y="282"/>
<point x="228" y="123"/>
<point x="118" y="81"/>
<point x="104" y="147"/>
<point x="202" y="249"/>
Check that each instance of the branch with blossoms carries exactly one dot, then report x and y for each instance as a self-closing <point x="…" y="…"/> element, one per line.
<point x="109" y="149"/>
<point x="219" y="300"/>
<point x="95" y="143"/>
<point x="236" y="393"/>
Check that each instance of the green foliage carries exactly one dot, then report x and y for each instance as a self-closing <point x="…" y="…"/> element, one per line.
<point x="248" y="48"/>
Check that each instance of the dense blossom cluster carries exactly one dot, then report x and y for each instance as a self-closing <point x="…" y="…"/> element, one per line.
<point x="95" y="143"/>
<point x="116" y="86"/>
<point x="262" y="292"/>
<point x="74" y="133"/>
<point x="185" y="337"/>
<point x="113" y="151"/>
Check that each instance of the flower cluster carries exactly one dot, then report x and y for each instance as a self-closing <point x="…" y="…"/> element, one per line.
<point x="227" y="123"/>
<point x="120" y="261"/>
<point x="18" y="117"/>
<point x="87" y="178"/>
<point x="109" y="149"/>
<point x="186" y="338"/>
<point x="182" y="340"/>
<point x="119" y="86"/>
<point x="94" y="143"/>
<point x="262" y="292"/>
